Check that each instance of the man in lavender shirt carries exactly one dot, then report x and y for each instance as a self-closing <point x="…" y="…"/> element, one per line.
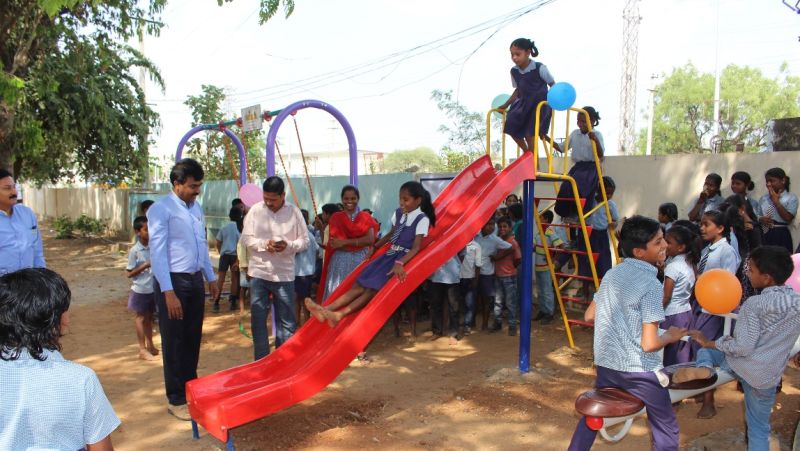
<point x="274" y="232"/>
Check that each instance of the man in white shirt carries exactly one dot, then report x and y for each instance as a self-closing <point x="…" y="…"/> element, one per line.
<point x="274" y="232"/>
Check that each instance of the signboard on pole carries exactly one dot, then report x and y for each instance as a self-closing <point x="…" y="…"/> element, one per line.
<point x="251" y="118"/>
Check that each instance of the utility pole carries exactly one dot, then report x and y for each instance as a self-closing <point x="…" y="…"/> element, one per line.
<point x="715" y="129"/>
<point x="627" y="95"/>
<point x="651" y="113"/>
<point x="143" y="86"/>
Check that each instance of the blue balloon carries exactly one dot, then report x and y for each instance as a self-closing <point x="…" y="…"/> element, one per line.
<point x="561" y="96"/>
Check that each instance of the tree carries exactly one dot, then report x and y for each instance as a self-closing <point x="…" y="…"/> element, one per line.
<point x="216" y="152"/>
<point x="68" y="104"/>
<point x="466" y="135"/>
<point x="421" y="159"/>
<point x="269" y="8"/>
<point x="684" y="105"/>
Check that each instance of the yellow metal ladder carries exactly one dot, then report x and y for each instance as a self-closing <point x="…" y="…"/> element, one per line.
<point x="561" y="280"/>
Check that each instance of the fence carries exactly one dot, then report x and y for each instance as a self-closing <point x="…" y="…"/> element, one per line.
<point x="642" y="184"/>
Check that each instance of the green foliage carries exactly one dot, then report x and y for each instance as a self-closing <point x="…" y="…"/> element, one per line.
<point x="64" y="227"/>
<point x="215" y="152"/>
<point x="10" y="88"/>
<point x="89" y="226"/>
<point x="73" y="109"/>
<point x="421" y="159"/>
<point x="466" y="134"/>
<point x="86" y="226"/>
<point x="684" y="108"/>
<point x="269" y="8"/>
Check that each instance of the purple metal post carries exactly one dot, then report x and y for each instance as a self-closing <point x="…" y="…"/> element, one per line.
<point x="285" y="112"/>
<point x="229" y="134"/>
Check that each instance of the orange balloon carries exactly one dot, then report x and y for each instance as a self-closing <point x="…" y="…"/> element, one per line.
<point x="718" y="291"/>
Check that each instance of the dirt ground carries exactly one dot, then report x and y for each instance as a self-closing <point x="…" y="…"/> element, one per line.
<point x="414" y="394"/>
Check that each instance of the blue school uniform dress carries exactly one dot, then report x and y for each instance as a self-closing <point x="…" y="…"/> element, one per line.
<point x="406" y="229"/>
<point x="778" y="234"/>
<point x="628" y="297"/>
<point x="531" y="84"/>
<point x="679" y="310"/>
<point x="584" y="171"/>
<point x="599" y="241"/>
<point x="719" y="255"/>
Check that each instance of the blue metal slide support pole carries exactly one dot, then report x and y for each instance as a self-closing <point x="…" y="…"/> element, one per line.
<point x="526" y="291"/>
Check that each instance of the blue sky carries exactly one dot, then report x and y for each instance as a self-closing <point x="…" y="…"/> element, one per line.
<point x="390" y="108"/>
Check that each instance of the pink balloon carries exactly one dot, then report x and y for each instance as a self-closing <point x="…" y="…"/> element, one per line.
<point x="794" y="279"/>
<point x="251" y="194"/>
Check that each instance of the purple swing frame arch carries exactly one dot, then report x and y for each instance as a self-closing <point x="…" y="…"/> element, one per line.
<point x="229" y="134"/>
<point x="351" y="139"/>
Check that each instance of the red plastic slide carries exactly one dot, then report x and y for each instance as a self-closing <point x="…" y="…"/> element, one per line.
<point x="317" y="353"/>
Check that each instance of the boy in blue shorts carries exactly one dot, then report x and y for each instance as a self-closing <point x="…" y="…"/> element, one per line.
<point x="626" y="311"/>
<point x="227" y="240"/>
<point x="142" y="300"/>
<point x="757" y="353"/>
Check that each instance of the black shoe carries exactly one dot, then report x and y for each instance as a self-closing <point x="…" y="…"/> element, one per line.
<point x="215" y="307"/>
<point x="494" y="327"/>
<point x="539" y="316"/>
<point x="546" y="320"/>
<point x="512" y="331"/>
<point x="234" y="305"/>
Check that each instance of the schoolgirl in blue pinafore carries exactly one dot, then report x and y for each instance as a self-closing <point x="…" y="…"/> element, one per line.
<point x="532" y="89"/>
<point x="530" y="80"/>
<point x="378" y="272"/>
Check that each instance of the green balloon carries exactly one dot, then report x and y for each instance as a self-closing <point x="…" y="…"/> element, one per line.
<point x="497" y="102"/>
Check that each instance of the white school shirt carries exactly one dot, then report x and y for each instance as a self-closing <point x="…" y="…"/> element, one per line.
<point x="581" y="145"/>
<point x="422" y="226"/>
<point x="721" y="255"/>
<point x="490" y="244"/>
<point x="544" y="73"/>
<point x="682" y="274"/>
<point x="629" y="295"/>
<point x="447" y="273"/>
<point x="787" y="199"/>
<point x="141" y="283"/>
<point x="472" y="258"/>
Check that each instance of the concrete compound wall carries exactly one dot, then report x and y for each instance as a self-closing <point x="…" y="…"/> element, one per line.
<point x="642" y="184"/>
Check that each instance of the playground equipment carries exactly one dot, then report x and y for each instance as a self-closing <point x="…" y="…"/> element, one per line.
<point x="605" y="408"/>
<point x="317" y="353"/>
<point x="561" y="280"/>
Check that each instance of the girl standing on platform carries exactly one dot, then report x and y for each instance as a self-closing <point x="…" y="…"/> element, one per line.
<point x="584" y="169"/>
<point x="530" y="80"/>
<point x="683" y="254"/>
<point x="778" y="209"/>
<point x="410" y="225"/>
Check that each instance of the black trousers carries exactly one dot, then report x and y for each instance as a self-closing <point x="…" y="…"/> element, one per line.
<point x="444" y="298"/>
<point x="180" y="338"/>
